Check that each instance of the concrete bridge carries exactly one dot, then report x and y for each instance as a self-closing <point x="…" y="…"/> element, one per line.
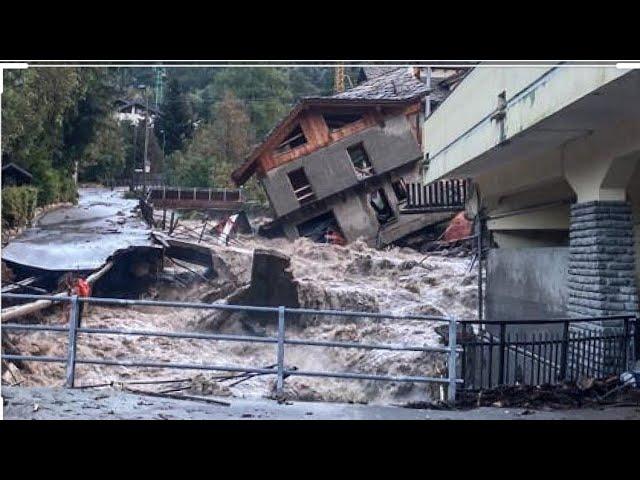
<point x="553" y="152"/>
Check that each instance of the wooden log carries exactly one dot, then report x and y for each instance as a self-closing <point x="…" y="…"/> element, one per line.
<point x="28" y="308"/>
<point x="21" y="310"/>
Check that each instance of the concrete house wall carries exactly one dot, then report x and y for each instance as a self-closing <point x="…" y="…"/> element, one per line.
<point x="330" y="170"/>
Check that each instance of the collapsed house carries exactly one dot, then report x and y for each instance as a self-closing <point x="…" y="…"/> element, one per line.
<point x="336" y="168"/>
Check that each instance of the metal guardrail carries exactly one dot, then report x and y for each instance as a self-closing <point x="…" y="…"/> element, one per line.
<point x="72" y="329"/>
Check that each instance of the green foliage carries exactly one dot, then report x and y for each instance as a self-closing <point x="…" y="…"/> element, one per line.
<point x="194" y="167"/>
<point x="216" y="149"/>
<point x="266" y="92"/>
<point x="177" y="119"/>
<point x="50" y="117"/>
<point x="91" y="117"/>
<point x="104" y="157"/>
<point x="18" y="205"/>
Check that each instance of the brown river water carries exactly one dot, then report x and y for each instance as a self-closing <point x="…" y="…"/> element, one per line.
<point x="395" y="280"/>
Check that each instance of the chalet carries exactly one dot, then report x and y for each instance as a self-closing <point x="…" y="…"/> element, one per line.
<point x="340" y="163"/>
<point x="134" y="111"/>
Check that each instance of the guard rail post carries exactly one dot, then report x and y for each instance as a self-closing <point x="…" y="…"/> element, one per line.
<point x="73" y="335"/>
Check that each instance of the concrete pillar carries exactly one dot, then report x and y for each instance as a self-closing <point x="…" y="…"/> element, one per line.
<point x="601" y="277"/>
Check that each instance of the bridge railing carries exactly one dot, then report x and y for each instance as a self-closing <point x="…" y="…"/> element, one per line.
<point x="280" y="341"/>
<point x="224" y="195"/>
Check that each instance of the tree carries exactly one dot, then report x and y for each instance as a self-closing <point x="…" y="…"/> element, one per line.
<point x="36" y="103"/>
<point x="177" y="117"/>
<point x="194" y="167"/>
<point x="266" y="91"/>
<point x="92" y="114"/>
<point x="104" y="157"/>
<point x="232" y="129"/>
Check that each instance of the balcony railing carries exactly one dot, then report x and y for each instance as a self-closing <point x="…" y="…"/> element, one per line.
<point x="443" y="195"/>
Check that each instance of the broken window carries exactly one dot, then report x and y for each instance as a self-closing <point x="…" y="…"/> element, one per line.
<point x="380" y="204"/>
<point x="360" y="161"/>
<point x="400" y="189"/>
<point x="295" y="139"/>
<point x="301" y="187"/>
<point x="336" y="121"/>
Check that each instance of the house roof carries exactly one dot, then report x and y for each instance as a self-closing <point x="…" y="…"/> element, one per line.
<point x="368" y="73"/>
<point x="395" y="87"/>
<point x="394" y="84"/>
<point x="125" y="103"/>
<point x="15" y="168"/>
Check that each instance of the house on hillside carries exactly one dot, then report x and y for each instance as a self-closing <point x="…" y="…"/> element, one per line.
<point x="339" y="164"/>
<point x="134" y="111"/>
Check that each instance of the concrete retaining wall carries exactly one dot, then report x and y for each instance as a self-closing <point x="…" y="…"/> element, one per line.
<point x="526" y="283"/>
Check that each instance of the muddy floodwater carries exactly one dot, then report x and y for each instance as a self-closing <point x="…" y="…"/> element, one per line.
<point x="356" y="277"/>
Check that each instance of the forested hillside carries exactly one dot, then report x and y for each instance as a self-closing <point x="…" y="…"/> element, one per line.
<point x="56" y="118"/>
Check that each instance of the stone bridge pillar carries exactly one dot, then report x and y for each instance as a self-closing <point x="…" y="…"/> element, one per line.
<point x="601" y="277"/>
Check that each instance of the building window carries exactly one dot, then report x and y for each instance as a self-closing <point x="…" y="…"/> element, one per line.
<point x="360" y="161"/>
<point x="301" y="186"/>
<point x="380" y="204"/>
<point x="336" y="121"/>
<point x="400" y="189"/>
<point x="295" y="139"/>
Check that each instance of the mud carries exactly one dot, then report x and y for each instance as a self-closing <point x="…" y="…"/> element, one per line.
<point x="396" y="280"/>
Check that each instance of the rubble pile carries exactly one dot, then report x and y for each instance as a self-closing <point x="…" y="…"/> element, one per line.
<point x="583" y="393"/>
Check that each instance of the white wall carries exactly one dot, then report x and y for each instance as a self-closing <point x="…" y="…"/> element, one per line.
<point x="461" y="129"/>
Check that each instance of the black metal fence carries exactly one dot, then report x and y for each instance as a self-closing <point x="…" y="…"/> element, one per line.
<point x="547" y="352"/>
<point x="440" y="195"/>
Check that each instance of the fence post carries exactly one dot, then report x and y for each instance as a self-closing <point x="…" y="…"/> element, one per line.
<point x="71" y="350"/>
<point x="635" y="353"/>
<point x="625" y="347"/>
<point x="453" y="375"/>
<point x="503" y="335"/>
<point x="280" y="356"/>
<point x="565" y="351"/>
<point x="479" y="256"/>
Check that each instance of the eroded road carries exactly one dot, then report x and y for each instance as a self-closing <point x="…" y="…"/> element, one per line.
<point x="81" y="237"/>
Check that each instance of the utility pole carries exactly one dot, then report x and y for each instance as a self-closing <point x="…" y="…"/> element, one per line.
<point x="146" y="145"/>
<point x="133" y="161"/>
